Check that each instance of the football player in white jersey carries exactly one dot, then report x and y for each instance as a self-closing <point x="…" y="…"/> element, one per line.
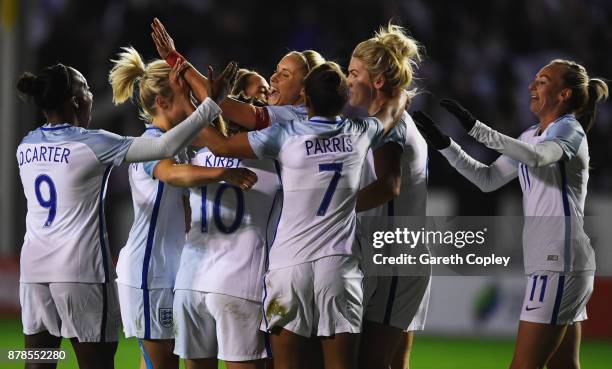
<point x="149" y="261"/>
<point x="284" y="98"/>
<point x="313" y="283"/>
<point x="66" y="287"/>
<point x="551" y="160"/>
<point x="394" y="182"/>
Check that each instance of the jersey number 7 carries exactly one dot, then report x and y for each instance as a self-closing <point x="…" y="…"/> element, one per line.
<point x="337" y="169"/>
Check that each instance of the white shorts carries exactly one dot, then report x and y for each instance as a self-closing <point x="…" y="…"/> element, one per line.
<point x="318" y="298"/>
<point x="146" y="314"/>
<point x="398" y="301"/>
<point x="555" y="298"/>
<point x="215" y="325"/>
<point x="87" y="311"/>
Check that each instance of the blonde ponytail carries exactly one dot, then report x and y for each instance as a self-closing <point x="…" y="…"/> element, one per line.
<point x="390" y="53"/>
<point x="152" y="79"/>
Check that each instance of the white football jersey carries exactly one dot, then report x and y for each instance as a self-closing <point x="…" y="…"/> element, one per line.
<point x="151" y="255"/>
<point x="553" y="202"/>
<point x="64" y="171"/>
<point x="320" y="163"/>
<point x="412" y="200"/>
<point x="286" y="113"/>
<point x="230" y="231"/>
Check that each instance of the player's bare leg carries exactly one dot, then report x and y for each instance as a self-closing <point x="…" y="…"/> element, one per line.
<point x="379" y="344"/>
<point x="535" y="344"/>
<point x="289" y="350"/>
<point x="41" y="340"/>
<point x="160" y="354"/>
<point x="94" y="355"/>
<point x="251" y="364"/>
<point x="567" y="355"/>
<point x="401" y="359"/>
<point x="207" y="363"/>
<point x="340" y="351"/>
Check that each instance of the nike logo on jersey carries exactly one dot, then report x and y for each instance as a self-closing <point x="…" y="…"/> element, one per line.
<point x="531" y="308"/>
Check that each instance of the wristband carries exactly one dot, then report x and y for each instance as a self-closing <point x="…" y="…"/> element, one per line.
<point x="173" y="57"/>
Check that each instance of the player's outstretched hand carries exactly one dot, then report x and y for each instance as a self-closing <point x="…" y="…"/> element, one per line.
<point x="465" y="117"/>
<point x="178" y="85"/>
<point x="240" y="177"/>
<point x="430" y="131"/>
<point x="163" y="42"/>
<point x="219" y="87"/>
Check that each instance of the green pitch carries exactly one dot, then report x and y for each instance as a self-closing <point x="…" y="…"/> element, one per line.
<point x="428" y="353"/>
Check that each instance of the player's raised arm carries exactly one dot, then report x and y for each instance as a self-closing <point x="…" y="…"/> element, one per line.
<point x="168" y="145"/>
<point x="486" y="177"/>
<point x="239" y="112"/>
<point x="540" y="154"/>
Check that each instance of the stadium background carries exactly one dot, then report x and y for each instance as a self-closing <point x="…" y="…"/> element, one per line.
<point x="482" y="52"/>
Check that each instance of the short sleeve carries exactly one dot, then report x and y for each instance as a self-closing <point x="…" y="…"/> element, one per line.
<point x="266" y="143"/>
<point x="375" y="131"/>
<point x="109" y="148"/>
<point x="568" y="134"/>
<point x="285" y="113"/>
<point x="149" y="167"/>
<point x="396" y="135"/>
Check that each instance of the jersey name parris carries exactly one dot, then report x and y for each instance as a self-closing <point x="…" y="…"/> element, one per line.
<point x="320" y="162"/>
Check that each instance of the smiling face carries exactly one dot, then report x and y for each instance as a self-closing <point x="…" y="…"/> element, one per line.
<point x="547" y="92"/>
<point x="361" y="89"/>
<point x="257" y="87"/>
<point x="287" y="81"/>
<point x="83" y="96"/>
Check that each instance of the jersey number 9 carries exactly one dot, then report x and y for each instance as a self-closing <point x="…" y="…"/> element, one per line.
<point x="51" y="202"/>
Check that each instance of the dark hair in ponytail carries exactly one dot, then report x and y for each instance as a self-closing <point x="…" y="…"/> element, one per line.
<point x="49" y="89"/>
<point x="327" y="89"/>
<point x="586" y="92"/>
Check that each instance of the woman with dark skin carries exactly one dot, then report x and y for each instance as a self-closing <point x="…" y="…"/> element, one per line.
<point x="65" y="221"/>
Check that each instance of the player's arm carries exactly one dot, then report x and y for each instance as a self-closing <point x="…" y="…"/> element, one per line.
<point x="246" y="115"/>
<point x="387" y="163"/>
<point x="236" y="146"/>
<point x="391" y="111"/>
<point x="541" y="154"/>
<point x="188" y="175"/>
<point x="486" y="177"/>
<point x="168" y="145"/>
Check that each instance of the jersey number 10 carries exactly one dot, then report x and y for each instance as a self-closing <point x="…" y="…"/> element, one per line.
<point x="217" y="209"/>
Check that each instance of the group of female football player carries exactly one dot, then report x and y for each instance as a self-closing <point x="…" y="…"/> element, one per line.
<point x="246" y="199"/>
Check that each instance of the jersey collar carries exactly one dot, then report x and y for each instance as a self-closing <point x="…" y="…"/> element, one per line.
<point x="54" y="127"/>
<point x="323" y="120"/>
<point x="151" y="127"/>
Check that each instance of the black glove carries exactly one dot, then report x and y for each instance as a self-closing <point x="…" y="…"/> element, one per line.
<point x="430" y="131"/>
<point x="465" y="117"/>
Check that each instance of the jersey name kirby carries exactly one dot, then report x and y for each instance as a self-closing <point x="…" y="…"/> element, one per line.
<point x="326" y="145"/>
<point x="43" y="153"/>
<point x="218" y="161"/>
